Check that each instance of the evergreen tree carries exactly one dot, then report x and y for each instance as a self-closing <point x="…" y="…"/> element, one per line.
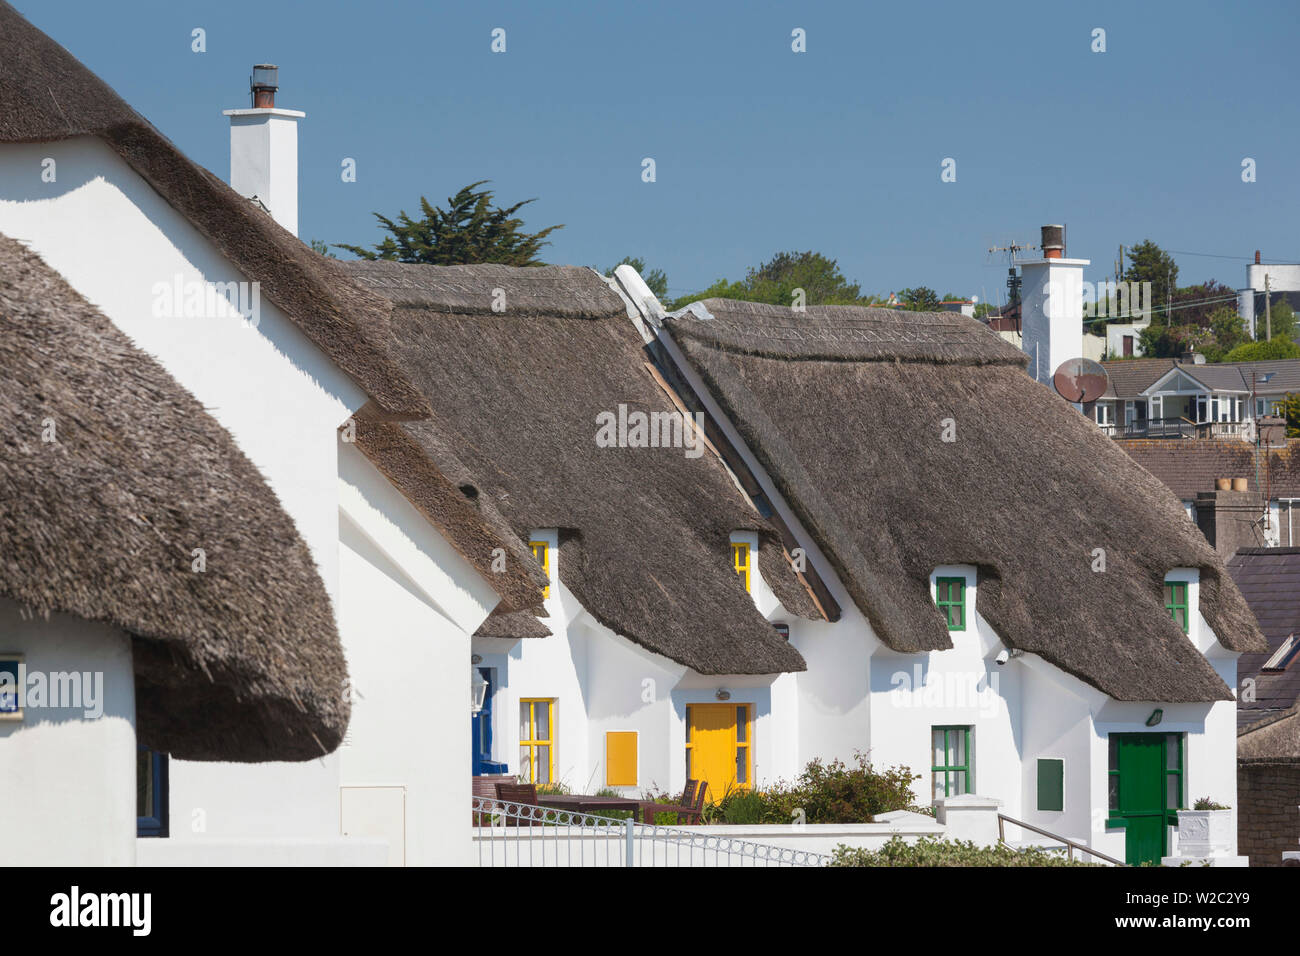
<point x="471" y="230"/>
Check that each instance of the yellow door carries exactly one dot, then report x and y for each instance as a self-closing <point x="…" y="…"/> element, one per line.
<point x="717" y="746"/>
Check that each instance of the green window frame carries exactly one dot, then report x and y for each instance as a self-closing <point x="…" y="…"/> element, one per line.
<point x="952" y="760"/>
<point x="1176" y="602"/>
<point x="1175" y="758"/>
<point x="950" y="595"/>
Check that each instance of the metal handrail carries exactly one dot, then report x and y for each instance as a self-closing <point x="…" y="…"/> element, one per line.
<point x="1003" y="819"/>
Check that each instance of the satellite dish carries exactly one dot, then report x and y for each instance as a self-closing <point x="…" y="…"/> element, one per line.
<point x="1081" y="380"/>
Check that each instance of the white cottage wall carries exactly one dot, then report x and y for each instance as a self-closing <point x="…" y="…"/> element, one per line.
<point x="407" y="604"/>
<point x="68" y="797"/>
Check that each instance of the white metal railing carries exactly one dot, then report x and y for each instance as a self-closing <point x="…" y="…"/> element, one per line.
<point x="1070" y="845"/>
<point x="515" y="834"/>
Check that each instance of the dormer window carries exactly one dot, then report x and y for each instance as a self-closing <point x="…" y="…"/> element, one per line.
<point x="543" y="555"/>
<point x="1283" y="656"/>
<point x="740" y="560"/>
<point x="950" y="595"/>
<point x="1176" y="602"/>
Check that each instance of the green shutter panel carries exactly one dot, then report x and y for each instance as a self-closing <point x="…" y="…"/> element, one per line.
<point x="1051" y="784"/>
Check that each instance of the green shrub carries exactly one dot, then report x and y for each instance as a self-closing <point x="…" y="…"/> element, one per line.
<point x="744" y="807"/>
<point x="931" y="851"/>
<point x="838" y="793"/>
<point x="1279" y="347"/>
<point x="831" y="792"/>
<point x="1205" y="803"/>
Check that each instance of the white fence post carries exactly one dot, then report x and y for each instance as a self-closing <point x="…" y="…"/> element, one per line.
<point x="630" y="831"/>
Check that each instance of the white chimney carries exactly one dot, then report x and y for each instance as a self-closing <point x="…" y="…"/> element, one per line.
<point x="264" y="150"/>
<point x="1051" y="306"/>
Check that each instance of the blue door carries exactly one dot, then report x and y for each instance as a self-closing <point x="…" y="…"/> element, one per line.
<point x="481" y="761"/>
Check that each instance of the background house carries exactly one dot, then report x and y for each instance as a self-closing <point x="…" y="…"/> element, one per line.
<point x="1171" y="398"/>
<point x="1229" y="519"/>
<point x="1268" y="715"/>
<point x="1275" y="281"/>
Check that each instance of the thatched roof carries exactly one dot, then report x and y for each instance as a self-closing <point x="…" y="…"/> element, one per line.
<point x="512" y="625"/>
<point x="47" y="95"/>
<point x="644" y="532"/>
<point x="238" y="662"/>
<point x="846" y="407"/>
<point x="1273" y="740"/>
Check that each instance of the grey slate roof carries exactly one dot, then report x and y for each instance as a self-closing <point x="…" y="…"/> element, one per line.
<point x="1129" y="378"/>
<point x="1269" y="579"/>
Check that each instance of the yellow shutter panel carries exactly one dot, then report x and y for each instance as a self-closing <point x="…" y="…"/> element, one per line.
<point x="620" y="758"/>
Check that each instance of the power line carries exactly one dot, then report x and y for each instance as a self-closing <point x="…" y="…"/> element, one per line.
<point x="1160" y="308"/>
<point x="1211" y="255"/>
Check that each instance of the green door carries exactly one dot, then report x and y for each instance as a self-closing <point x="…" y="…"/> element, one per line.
<point x="1139" y="793"/>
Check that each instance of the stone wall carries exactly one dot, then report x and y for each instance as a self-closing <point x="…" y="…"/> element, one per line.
<point x="1268" y="816"/>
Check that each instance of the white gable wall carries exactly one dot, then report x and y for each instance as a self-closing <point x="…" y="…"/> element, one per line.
<point x="407" y="602"/>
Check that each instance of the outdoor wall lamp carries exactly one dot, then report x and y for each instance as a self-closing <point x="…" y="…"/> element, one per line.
<point x="478" y="686"/>
<point x="723" y="694"/>
<point x="1157" y="715"/>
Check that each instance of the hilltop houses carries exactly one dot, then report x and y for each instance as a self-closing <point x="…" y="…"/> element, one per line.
<point x="715" y="544"/>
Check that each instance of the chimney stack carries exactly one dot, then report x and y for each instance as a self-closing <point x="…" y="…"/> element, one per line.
<point x="1231" y="519"/>
<point x="264" y="149"/>
<point x="1051" y="306"/>
<point x="1256" y="257"/>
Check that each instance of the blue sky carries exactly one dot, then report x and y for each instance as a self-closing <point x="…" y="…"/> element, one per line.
<point x="758" y="149"/>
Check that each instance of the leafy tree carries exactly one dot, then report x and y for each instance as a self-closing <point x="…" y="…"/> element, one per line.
<point x="776" y="280"/>
<point x="656" y="279"/>
<point x="470" y="230"/>
<point x="1228" y="327"/>
<point x="1282" y="318"/>
<point x="1196" y="304"/>
<point x="1291" y="411"/>
<point x="984" y="308"/>
<point x="321" y="246"/>
<point x="920" y="299"/>
<point x="1278" y="348"/>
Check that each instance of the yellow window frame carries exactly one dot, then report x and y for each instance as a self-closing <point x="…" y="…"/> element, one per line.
<point x="740" y="560"/>
<point x="532" y="742"/>
<point x="542" y="552"/>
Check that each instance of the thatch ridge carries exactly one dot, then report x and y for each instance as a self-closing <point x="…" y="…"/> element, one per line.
<point x="241" y="661"/>
<point x="644" y="532"/>
<point x="487" y="289"/>
<point x="842" y="333"/>
<point x="47" y="95"/>
<point x="1025" y="493"/>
